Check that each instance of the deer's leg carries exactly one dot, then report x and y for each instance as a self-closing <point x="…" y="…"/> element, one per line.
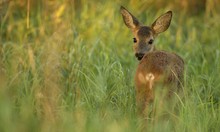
<point x="144" y="97"/>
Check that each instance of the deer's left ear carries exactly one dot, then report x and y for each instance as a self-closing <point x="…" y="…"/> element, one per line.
<point x="162" y="23"/>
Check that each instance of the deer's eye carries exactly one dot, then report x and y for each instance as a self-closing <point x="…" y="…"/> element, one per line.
<point x="151" y="41"/>
<point x="135" y="40"/>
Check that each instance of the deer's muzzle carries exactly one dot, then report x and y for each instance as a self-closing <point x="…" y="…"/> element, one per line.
<point x="139" y="55"/>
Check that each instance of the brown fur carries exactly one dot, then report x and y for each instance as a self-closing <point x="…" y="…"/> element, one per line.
<point x="156" y="67"/>
<point x="167" y="69"/>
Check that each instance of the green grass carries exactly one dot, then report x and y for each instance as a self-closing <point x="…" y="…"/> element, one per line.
<point x="71" y="67"/>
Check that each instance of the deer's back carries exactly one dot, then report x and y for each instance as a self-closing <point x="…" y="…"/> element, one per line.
<point x="162" y="66"/>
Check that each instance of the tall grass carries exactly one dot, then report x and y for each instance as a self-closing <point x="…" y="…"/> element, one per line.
<point x="69" y="66"/>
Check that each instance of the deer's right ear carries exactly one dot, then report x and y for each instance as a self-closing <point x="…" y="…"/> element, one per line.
<point x="129" y="20"/>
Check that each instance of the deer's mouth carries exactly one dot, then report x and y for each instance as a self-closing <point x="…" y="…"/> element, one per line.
<point x="139" y="56"/>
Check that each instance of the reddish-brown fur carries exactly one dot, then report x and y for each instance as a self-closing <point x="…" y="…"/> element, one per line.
<point x="156" y="67"/>
<point x="167" y="69"/>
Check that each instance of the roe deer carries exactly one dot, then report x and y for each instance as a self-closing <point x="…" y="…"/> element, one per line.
<point x="156" y="67"/>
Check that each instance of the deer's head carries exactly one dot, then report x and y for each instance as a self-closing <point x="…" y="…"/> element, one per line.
<point x="144" y="35"/>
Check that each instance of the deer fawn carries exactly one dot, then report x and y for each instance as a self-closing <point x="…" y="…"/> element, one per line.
<point x="156" y="67"/>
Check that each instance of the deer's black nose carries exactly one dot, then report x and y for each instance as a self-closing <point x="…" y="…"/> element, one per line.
<point x="139" y="55"/>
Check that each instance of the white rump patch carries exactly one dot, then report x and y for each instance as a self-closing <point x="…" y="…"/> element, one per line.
<point x="150" y="78"/>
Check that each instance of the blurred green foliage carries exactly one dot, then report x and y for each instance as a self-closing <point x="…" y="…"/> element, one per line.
<point x="68" y="65"/>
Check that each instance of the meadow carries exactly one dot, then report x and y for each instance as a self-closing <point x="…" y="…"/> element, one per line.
<point x="68" y="65"/>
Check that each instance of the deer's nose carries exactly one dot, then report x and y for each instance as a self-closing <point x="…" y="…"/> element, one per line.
<point x="139" y="55"/>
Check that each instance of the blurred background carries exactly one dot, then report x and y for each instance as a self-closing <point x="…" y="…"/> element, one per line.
<point x="68" y="65"/>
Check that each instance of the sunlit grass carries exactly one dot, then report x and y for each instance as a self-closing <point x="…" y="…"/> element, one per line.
<point x="72" y="67"/>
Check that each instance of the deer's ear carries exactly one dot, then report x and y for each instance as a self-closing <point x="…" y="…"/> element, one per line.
<point x="162" y="23"/>
<point x="129" y="20"/>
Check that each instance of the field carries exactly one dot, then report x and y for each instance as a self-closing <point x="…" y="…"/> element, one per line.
<point x="68" y="65"/>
